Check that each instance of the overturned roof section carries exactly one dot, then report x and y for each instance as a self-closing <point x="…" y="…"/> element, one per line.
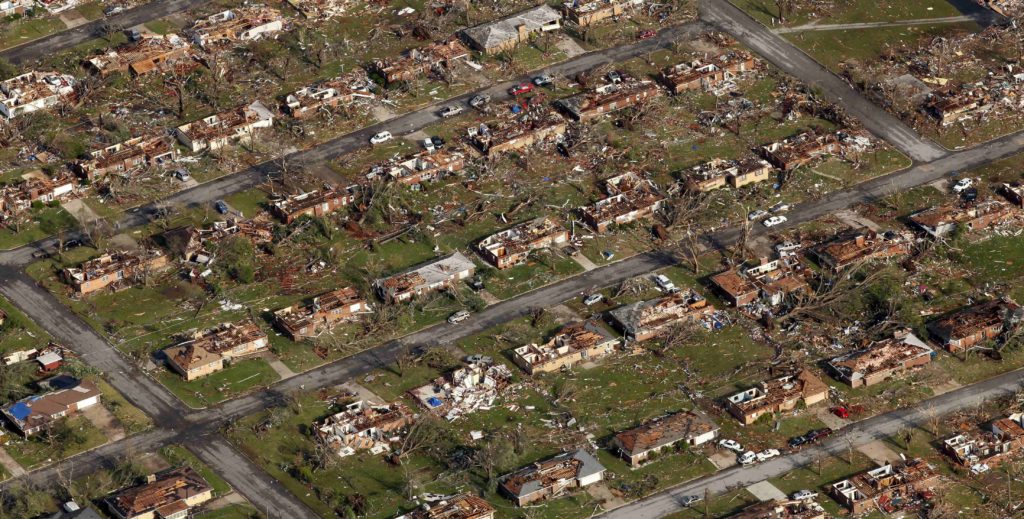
<point x="497" y="33"/>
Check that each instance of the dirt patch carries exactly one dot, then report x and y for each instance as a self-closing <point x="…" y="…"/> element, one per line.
<point x="723" y="460"/>
<point x="946" y="387"/>
<point x="80" y="211"/>
<point x="382" y="113"/>
<point x="105" y="421"/>
<point x="569" y="47"/>
<point x="123" y="241"/>
<point x="604" y="494"/>
<point x="361" y="392"/>
<point x="829" y="419"/>
<point x="766" y="491"/>
<point x="855" y="220"/>
<point x="879" y="452"/>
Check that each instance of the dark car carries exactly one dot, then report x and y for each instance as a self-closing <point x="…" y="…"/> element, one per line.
<point x="437" y="142"/>
<point x="646" y="35"/>
<point x="797" y="441"/>
<point x="819" y="434"/>
<point x="221" y="207"/>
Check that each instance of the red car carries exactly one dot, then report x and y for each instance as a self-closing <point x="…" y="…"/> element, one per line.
<point x="646" y="35"/>
<point x="521" y="88"/>
<point x="841" y="412"/>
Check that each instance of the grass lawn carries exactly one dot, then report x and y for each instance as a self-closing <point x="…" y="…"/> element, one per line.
<point x="718" y="506"/>
<point x="132" y="418"/>
<point x="541" y="269"/>
<point x="831" y="470"/>
<point x="27" y="29"/>
<point x="241" y="377"/>
<point x="18" y="332"/>
<point x="38" y="450"/>
<point x="178" y="456"/>
<point x="847" y="11"/>
<point x="230" y="512"/>
<point x="45" y="222"/>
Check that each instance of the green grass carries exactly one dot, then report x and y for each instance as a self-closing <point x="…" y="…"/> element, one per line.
<point x="850" y="11"/>
<point x="37" y="451"/>
<point x="19" y="332"/>
<point x="830" y="48"/>
<point x="230" y="512"/>
<point x="242" y="376"/>
<point x="178" y="456"/>
<point x="832" y="469"/>
<point x="91" y="10"/>
<point x="27" y="29"/>
<point x="45" y="221"/>
<point x="132" y="418"/>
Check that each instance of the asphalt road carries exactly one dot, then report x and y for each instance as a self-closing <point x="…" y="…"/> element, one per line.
<point x="48" y="45"/>
<point x="795" y="62"/>
<point x="858" y="433"/>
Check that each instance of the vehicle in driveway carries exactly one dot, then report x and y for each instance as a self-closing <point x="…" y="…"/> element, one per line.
<point x="646" y="35"/>
<point x="458" y="317"/>
<point x="767" y="454"/>
<point x="800" y="495"/>
<point x="797" y="441"/>
<point x="592" y="299"/>
<point x="520" y="89"/>
<point x="381" y="138"/>
<point x="963" y="184"/>
<point x="221" y="207"/>
<point x="732" y="445"/>
<point x="450" y="111"/>
<point x="757" y="214"/>
<point x="690" y="500"/>
<point x="615" y="76"/>
<point x="747" y="458"/>
<point x="775" y="220"/>
<point x="665" y="284"/>
<point x="182" y="175"/>
<point x="543" y="80"/>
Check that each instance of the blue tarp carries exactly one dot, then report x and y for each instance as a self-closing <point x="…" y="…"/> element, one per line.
<point x="20" y="410"/>
<point x="434" y="402"/>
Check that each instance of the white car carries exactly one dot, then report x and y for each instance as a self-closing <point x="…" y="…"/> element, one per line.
<point x="963" y="184"/>
<point x="786" y="246"/>
<point x="450" y="111"/>
<point x="593" y="299"/>
<point x="732" y="445"/>
<point x="381" y="138"/>
<point x="429" y="145"/>
<point x="458" y="317"/>
<point x="779" y="208"/>
<point x="979" y="468"/>
<point x="773" y="221"/>
<point x="747" y="458"/>
<point x="665" y="284"/>
<point x="800" y="495"/>
<point x="767" y="454"/>
<point x="757" y="215"/>
<point x="543" y="80"/>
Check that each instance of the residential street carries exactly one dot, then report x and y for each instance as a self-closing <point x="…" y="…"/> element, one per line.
<point x="794" y="61"/>
<point x="57" y="42"/>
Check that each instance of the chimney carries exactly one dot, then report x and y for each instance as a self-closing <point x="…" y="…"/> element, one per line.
<point x="151" y="479"/>
<point x="523" y="33"/>
<point x="860" y="240"/>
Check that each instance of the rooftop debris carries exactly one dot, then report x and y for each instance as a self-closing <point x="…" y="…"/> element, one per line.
<point x="34" y="91"/>
<point x="512" y="246"/>
<point x="537" y="125"/>
<point x="630" y="198"/>
<point x="342" y="90"/>
<point x="587" y="13"/>
<point x="364" y="425"/>
<point x="805" y="148"/>
<point x="461" y="506"/>
<point x="419" y="168"/>
<point x="204" y="352"/>
<point x="315" y="203"/>
<point x="128" y="156"/>
<point x="551" y="478"/>
<point x="972" y="326"/>
<point x="971" y="216"/>
<point x="115" y="270"/>
<point x="150" y="53"/>
<point x="882" y="360"/>
<point x="715" y="173"/>
<point x="36" y="414"/>
<point x="782" y="509"/>
<point x="608" y="98"/>
<point x="854" y="246"/>
<point x="432" y="276"/>
<point x="324" y="312"/>
<point x="890" y="487"/>
<point x="718" y="74"/>
<point x="438" y="58"/>
<point x="771" y="281"/>
<point x="506" y="33"/>
<point x="219" y="130"/>
<point x="240" y="24"/>
<point x="986" y="447"/>
<point x="164" y="494"/>
<point x="584" y="341"/>
<point x="691" y="428"/>
<point x="464" y="390"/>
<point x="777" y="395"/>
<point x="649" y="319"/>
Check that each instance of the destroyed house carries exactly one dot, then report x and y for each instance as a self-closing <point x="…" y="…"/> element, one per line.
<point x="685" y="427"/>
<point x="302" y="321"/>
<point x="777" y="395"/>
<point x="608" y="98"/>
<point x="586" y="13"/>
<point x="506" y="33"/>
<point x="17" y="199"/>
<point x="854" y="246"/>
<point x="190" y="244"/>
<point x="708" y="75"/>
<point x="770" y="281"/>
<point x="970" y="216"/>
<point x="974" y="325"/>
<point x="886" y="488"/>
<point x="116" y="270"/>
<point x="342" y="90"/>
<point x="882" y="360"/>
<point x="205" y="352"/>
<point x="799" y="150"/>
<point x="315" y="204"/>
<point x="37" y="413"/>
<point x="464" y="390"/>
<point x="240" y="24"/>
<point x="1013" y="193"/>
<point x="512" y="246"/>
<point x="645" y="320"/>
<point x="151" y="52"/>
<point x="954" y="105"/>
<point x="576" y="343"/>
<point x="461" y="506"/>
<point x="416" y="63"/>
<point x="419" y="168"/>
<point x="364" y="426"/>
<point x="551" y="478"/>
<point x="169" y="494"/>
<point x="323" y="9"/>
<point x="537" y="126"/>
<point x="782" y="509"/>
<point x="219" y="130"/>
<point x="628" y="201"/>
<point x="432" y="276"/>
<point x="34" y="91"/>
<point x="717" y="173"/>
<point x="13" y="7"/>
<point x="986" y="448"/>
<point x="132" y="154"/>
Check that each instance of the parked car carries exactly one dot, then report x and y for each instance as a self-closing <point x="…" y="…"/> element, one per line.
<point x="841" y="411"/>
<point x="797" y="441"/>
<point x="732" y="445"/>
<point x="182" y="175"/>
<point x="963" y="184"/>
<point x="786" y="246"/>
<point x="747" y="458"/>
<point x="429" y="145"/>
<point x="819" y="434"/>
<point x="665" y="284"/>
<point x="480" y="101"/>
<point x="757" y="214"/>
<point x="615" y="76"/>
<point x="520" y="89"/>
<point x="458" y="317"/>
<point x="381" y="138"/>
<point x="779" y="208"/>
<point x="690" y="500"/>
<point x="767" y="454"/>
<point x="543" y="80"/>
<point x="979" y="468"/>
<point x="969" y="194"/>
<point x="593" y="299"/>
<point x="775" y="220"/>
<point x="437" y="141"/>
<point x="450" y="111"/>
<point x="646" y="35"/>
<point x="221" y="207"/>
<point x="110" y="11"/>
<point x="800" y="495"/>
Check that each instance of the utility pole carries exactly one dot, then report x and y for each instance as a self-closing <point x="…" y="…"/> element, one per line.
<point x="707" y="495"/>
